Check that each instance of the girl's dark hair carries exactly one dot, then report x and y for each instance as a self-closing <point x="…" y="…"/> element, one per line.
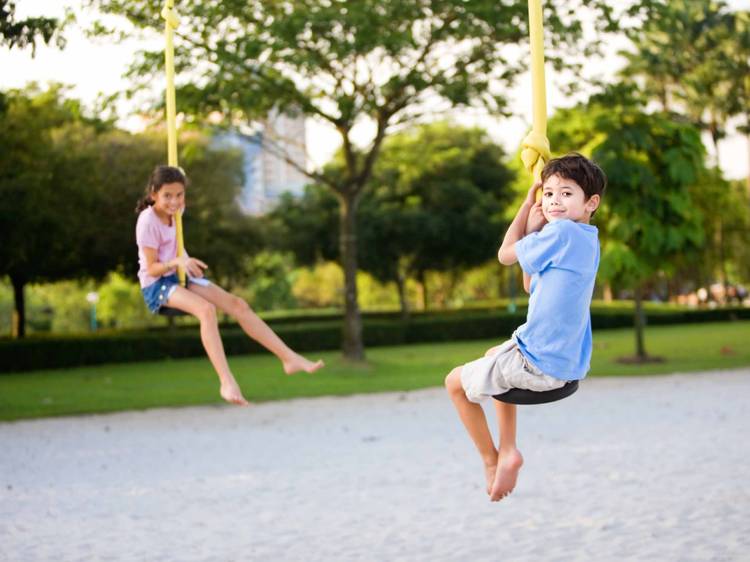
<point x="160" y="176"/>
<point x="581" y="170"/>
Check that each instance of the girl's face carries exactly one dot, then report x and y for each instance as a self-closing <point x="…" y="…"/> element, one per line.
<point x="563" y="198"/>
<point x="169" y="199"/>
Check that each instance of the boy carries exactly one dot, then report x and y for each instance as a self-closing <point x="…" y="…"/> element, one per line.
<point x="558" y="251"/>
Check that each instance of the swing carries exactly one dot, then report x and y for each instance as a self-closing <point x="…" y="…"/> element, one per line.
<point x="535" y="154"/>
<point x="522" y="396"/>
<point x="170" y="24"/>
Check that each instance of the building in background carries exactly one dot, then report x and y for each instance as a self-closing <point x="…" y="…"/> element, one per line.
<point x="266" y="149"/>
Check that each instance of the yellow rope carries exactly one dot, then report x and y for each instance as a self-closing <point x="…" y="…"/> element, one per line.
<point x="170" y="24"/>
<point x="536" y="151"/>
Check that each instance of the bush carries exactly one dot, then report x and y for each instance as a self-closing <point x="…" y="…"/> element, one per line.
<point x="309" y="335"/>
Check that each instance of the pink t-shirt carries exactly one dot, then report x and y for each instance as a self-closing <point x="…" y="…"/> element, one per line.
<point x="150" y="232"/>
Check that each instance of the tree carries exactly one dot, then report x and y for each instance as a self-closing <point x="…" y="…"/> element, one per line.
<point x="648" y="218"/>
<point x="22" y="33"/>
<point x="36" y="202"/>
<point x="692" y="57"/>
<point x="68" y="187"/>
<point x="385" y="63"/>
<point x="433" y="203"/>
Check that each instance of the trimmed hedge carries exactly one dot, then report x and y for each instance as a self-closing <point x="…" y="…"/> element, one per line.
<point x="73" y="351"/>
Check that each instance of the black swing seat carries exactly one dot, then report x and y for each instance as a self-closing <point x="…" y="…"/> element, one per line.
<point x="526" y="397"/>
<point x="168" y="311"/>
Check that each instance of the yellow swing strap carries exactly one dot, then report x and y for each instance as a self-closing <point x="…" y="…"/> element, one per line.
<point x="170" y="24"/>
<point x="536" y="151"/>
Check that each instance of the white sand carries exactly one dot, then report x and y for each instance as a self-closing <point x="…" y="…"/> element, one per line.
<point x="654" y="469"/>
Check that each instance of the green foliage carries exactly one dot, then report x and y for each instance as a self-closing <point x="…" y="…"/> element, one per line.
<point x="24" y="33"/>
<point x="121" y="303"/>
<point x="47" y="352"/>
<point x="648" y="219"/>
<point x="694" y="59"/>
<point x="270" y="282"/>
<point x="433" y="203"/>
<point x="348" y="63"/>
<point x="69" y="183"/>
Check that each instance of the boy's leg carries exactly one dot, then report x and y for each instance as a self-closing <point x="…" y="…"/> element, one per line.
<point x="205" y="312"/>
<point x="509" y="457"/>
<point x="475" y="422"/>
<point x="255" y="327"/>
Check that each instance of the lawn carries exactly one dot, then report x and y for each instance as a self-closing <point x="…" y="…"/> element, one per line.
<point x="107" y="388"/>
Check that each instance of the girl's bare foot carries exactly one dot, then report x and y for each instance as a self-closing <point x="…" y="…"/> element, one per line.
<point x="298" y="363"/>
<point x="230" y="391"/>
<point x="509" y="463"/>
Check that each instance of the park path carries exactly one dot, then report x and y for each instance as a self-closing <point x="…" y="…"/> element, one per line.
<point x="652" y="468"/>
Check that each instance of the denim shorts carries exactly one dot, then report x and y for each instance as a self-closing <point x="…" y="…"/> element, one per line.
<point x="157" y="294"/>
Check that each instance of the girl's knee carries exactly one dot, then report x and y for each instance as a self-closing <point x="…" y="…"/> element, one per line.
<point x="238" y="306"/>
<point x="206" y="312"/>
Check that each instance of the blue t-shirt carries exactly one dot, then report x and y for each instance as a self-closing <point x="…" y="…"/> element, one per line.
<point x="562" y="260"/>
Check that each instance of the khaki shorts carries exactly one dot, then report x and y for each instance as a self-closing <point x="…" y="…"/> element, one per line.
<point x="506" y="368"/>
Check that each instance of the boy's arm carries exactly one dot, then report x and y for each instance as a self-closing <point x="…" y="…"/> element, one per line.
<point x="526" y="282"/>
<point x="517" y="229"/>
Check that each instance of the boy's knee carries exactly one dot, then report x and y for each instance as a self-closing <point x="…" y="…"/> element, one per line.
<point x="453" y="381"/>
<point x="491" y="351"/>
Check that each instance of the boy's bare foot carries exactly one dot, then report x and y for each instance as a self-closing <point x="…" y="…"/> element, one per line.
<point x="298" y="363"/>
<point x="489" y="472"/>
<point x="230" y="391"/>
<point x="507" y="473"/>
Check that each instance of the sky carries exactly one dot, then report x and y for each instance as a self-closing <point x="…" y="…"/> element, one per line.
<point x="94" y="66"/>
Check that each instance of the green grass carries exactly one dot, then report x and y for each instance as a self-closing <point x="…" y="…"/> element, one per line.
<point x="185" y="382"/>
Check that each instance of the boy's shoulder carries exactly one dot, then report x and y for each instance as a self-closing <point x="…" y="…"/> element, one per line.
<point x="567" y="227"/>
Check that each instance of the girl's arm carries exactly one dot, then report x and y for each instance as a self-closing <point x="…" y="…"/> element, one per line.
<point x="154" y="267"/>
<point x="517" y="229"/>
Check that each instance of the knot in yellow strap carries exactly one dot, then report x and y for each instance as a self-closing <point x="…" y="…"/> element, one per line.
<point x="535" y="146"/>
<point x="170" y="15"/>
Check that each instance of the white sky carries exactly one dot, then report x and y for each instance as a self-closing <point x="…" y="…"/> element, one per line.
<point x="95" y="66"/>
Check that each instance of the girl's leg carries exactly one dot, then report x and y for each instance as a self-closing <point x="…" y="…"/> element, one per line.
<point x="475" y="422"/>
<point x="205" y="312"/>
<point x="255" y="327"/>
<point x="509" y="457"/>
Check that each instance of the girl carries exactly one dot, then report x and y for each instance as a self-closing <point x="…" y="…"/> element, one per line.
<point x="155" y="235"/>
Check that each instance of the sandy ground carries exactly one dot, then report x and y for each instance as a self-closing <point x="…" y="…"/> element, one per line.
<point x="654" y="469"/>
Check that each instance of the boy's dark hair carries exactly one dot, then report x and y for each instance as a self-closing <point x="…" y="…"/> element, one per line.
<point x="584" y="172"/>
<point x="160" y="176"/>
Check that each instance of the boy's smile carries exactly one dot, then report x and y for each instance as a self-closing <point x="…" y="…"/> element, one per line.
<point x="563" y="198"/>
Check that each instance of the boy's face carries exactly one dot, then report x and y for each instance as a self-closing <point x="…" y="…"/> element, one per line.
<point x="565" y="199"/>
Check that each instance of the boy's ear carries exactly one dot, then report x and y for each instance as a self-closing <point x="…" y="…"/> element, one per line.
<point x="593" y="203"/>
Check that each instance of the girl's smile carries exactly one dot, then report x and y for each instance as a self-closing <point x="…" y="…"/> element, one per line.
<point x="169" y="199"/>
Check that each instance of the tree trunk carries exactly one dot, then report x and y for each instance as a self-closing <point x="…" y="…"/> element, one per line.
<point x="421" y="279"/>
<point x="19" y="312"/>
<point x="607" y="292"/>
<point x="640" y="323"/>
<point x="403" y="301"/>
<point x="715" y="138"/>
<point x="722" y="256"/>
<point x="353" y="347"/>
